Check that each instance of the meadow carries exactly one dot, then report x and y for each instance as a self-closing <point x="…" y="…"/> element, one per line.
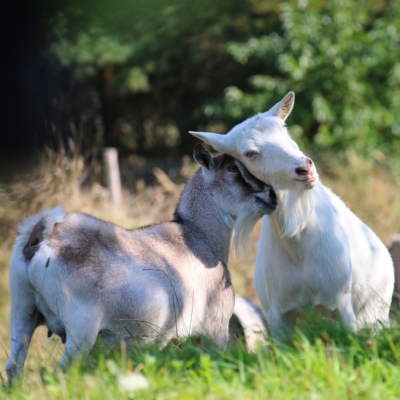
<point x="320" y="360"/>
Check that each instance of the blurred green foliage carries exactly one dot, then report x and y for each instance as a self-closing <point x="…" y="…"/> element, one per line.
<point x="341" y="59"/>
<point x="139" y="74"/>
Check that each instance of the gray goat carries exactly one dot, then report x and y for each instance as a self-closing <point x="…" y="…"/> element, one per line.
<point x="81" y="276"/>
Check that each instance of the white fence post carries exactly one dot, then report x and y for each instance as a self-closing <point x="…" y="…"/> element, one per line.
<point x="111" y="170"/>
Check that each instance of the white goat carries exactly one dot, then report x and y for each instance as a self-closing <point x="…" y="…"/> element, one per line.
<point x="313" y="251"/>
<point x="81" y="276"/>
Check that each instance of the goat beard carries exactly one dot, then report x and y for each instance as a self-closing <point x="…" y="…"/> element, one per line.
<point x="243" y="233"/>
<point x="294" y="211"/>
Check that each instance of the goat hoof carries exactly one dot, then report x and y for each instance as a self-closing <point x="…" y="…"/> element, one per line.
<point x="49" y="333"/>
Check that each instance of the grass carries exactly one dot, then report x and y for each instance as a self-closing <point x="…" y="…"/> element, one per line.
<point x="321" y="360"/>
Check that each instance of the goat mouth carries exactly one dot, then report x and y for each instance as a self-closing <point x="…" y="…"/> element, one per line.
<point x="266" y="207"/>
<point x="309" y="181"/>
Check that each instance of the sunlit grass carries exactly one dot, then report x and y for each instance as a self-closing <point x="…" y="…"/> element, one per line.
<point x="318" y="362"/>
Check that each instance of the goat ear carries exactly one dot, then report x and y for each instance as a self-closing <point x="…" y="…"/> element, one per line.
<point x="221" y="143"/>
<point x="283" y="108"/>
<point x="203" y="157"/>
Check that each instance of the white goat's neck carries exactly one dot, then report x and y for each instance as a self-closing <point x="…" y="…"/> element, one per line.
<point x="201" y="218"/>
<point x="294" y="212"/>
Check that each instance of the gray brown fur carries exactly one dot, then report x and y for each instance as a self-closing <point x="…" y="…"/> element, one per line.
<point x="150" y="284"/>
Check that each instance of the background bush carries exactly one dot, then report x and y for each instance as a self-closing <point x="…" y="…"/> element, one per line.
<point x="138" y="75"/>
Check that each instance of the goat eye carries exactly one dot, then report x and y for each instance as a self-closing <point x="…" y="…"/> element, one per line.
<point x="250" y="153"/>
<point x="233" y="168"/>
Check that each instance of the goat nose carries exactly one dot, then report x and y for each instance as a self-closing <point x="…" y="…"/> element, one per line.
<point x="304" y="169"/>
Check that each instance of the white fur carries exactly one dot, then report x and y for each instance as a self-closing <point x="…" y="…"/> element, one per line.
<point x="313" y="251"/>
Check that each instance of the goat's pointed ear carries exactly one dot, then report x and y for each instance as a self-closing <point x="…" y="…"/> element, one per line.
<point x="221" y="143"/>
<point x="283" y="108"/>
<point x="203" y="157"/>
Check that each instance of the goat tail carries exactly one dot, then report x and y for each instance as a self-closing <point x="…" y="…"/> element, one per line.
<point x="33" y="230"/>
<point x="23" y="310"/>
